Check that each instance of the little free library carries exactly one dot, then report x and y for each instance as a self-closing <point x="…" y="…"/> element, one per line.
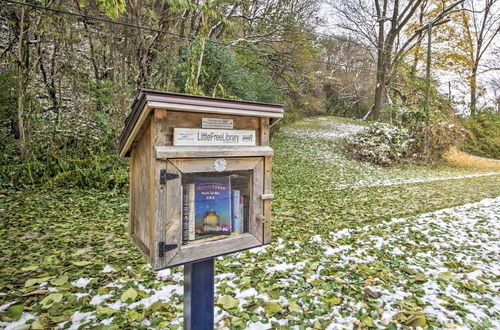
<point x="200" y="175"/>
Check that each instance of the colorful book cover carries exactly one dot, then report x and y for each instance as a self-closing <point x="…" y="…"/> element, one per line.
<point x="191" y="217"/>
<point x="212" y="206"/>
<point x="236" y="212"/>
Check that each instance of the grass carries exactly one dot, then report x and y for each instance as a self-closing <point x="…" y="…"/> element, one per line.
<point x="462" y="159"/>
<point x="53" y="238"/>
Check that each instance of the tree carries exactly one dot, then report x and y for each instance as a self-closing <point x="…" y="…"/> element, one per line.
<point x="384" y="25"/>
<point x="476" y="28"/>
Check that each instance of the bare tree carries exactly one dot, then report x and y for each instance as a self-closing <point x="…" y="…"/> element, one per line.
<point x="384" y="25"/>
<point x="481" y="25"/>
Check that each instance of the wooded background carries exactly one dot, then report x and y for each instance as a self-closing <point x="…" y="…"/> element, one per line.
<point x="70" y="69"/>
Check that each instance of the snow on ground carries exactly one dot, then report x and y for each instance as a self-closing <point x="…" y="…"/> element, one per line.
<point x="442" y="266"/>
<point x="327" y="129"/>
<point x="328" y="135"/>
<point x="19" y="324"/>
<point x="81" y="282"/>
<point x="392" y="182"/>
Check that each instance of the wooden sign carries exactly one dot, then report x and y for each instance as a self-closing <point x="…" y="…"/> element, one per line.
<point x="213" y="137"/>
<point x="217" y="123"/>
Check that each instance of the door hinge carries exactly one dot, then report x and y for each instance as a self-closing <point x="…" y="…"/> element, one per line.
<point x="165" y="176"/>
<point x="162" y="247"/>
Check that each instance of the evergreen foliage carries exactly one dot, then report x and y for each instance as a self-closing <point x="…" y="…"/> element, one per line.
<point x="484" y="137"/>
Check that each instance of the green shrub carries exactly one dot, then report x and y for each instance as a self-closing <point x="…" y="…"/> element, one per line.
<point x="381" y="144"/>
<point x="107" y="172"/>
<point x="386" y="144"/>
<point x="484" y="137"/>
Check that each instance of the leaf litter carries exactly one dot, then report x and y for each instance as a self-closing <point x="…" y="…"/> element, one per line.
<point x="356" y="257"/>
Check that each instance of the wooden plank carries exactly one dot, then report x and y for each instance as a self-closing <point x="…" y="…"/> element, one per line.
<point x="194" y="120"/>
<point x="168" y="97"/>
<point x="167" y="198"/>
<point x="176" y="119"/>
<point x="216" y="110"/>
<point x="133" y="131"/>
<point x="195" y="251"/>
<point x="141" y="185"/>
<point x="267" y="202"/>
<point x="160" y="125"/>
<point x="149" y="99"/>
<point x="264" y="131"/>
<point x="168" y="214"/>
<point x="256" y="226"/>
<point x="130" y="122"/>
<point x="131" y="197"/>
<point x="141" y="246"/>
<point x="153" y="188"/>
<point x="207" y="164"/>
<point x="165" y="152"/>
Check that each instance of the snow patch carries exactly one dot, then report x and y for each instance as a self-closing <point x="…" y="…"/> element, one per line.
<point x="108" y="269"/>
<point x="164" y="294"/>
<point x="81" y="282"/>
<point x="19" y="324"/>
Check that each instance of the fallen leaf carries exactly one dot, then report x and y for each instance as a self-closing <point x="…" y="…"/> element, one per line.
<point x="33" y="281"/>
<point x="294" y="307"/>
<point x="36" y="292"/>
<point x="59" y="281"/>
<point x="420" y="278"/>
<point x="333" y="301"/>
<point x="50" y="300"/>
<point x="108" y="311"/>
<point x="227" y="302"/>
<point x="131" y="294"/>
<point x="272" y="308"/>
<point x="372" y="294"/>
<point x="417" y="320"/>
<point x="447" y="276"/>
<point x="29" y="268"/>
<point x="14" y="312"/>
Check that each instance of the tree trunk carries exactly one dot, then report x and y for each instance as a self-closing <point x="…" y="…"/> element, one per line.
<point x="200" y="64"/>
<point x="473" y="91"/>
<point x="380" y="89"/>
<point x="21" y="86"/>
<point x="380" y="92"/>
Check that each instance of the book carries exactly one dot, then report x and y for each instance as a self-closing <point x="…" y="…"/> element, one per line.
<point x="212" y="206"/>
<point x="236" y="214"/>
<point x="185" y="214"/>
<point x="244" y="212"/>
<point x="191" y="210"/>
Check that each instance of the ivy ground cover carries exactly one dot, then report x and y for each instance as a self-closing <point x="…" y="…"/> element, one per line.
<point x="354" y="245"/>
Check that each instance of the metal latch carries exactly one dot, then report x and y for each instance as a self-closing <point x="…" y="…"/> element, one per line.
<point x="165" y="176"/>
<point x="261" y="218"/>
<point x="162" y="247"/>
<point x="266" y="197"/>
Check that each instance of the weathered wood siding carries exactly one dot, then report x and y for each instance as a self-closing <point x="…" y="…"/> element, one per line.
<point x="141" y="191"/>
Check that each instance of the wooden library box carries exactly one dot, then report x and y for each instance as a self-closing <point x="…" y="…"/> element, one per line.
<point x="200" y="175"/>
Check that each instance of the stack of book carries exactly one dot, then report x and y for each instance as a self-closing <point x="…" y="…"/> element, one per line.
<point x="214" y="206"/>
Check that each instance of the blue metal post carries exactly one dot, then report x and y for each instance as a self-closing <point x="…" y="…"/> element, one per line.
<point x="199" y="295"/>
